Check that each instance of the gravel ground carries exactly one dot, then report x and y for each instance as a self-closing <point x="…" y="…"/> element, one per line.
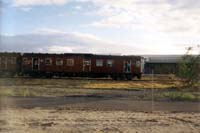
<point x="57" y="120"/>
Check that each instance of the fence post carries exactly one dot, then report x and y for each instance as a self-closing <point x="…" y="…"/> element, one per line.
<point x="152" y="91"/>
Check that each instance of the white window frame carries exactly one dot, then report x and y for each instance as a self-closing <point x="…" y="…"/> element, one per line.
<point x="99" y="63"/>
<point x="109" y="63"/>
<point x="70" y="62"/>
<point x="59" y="64"/>
<point x="49" y="63"/>
<point x="138" y="63"/>
<point x="87" y="62"/>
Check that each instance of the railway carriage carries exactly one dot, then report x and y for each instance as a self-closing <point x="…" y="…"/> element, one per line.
<point x="55" y="64"/>
<point x="10" y="64"/>
<point x="71" y="65"/>
<point x="117" y="67"/>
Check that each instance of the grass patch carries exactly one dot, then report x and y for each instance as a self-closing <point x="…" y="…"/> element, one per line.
<point x="181" y="96"/>
<point x="7" y="92"/>
<point x="131" y="85"/>
<point x="61" y="87"/>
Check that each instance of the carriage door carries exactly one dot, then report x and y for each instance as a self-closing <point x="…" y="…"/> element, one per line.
<point x="127" y="66"/>
<point x="35" y="64"/>
<point x="86" y="65"/>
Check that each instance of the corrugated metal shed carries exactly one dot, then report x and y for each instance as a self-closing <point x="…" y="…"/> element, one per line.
<point x="162" y="58"/>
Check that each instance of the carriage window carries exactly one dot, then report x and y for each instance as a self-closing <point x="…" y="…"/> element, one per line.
<point x="70" y="62"/>
<point x="48" y="61"/>
<point x="59" y="62"/>
<point x="87" y="62"/>
<point x="109" y="63"/>
<point x="12" y="60"/>
<point x="138" y="63"/>
<point x="25" y="60"/>
<point x="99" y="63"/>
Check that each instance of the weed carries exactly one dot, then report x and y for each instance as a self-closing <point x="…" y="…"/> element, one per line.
<point x="180" y="96"/>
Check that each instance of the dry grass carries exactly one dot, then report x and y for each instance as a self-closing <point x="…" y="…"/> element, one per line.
<point x="132" y="85"/>
<point x="59" y="87"/>
<point x="181" y="96"/>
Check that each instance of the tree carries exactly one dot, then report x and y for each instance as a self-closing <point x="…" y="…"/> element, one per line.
<point x="189" y="68"/>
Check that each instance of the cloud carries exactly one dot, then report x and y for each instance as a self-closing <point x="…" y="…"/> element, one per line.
<point x="78" y="7"/>
<point x="28" y="3"/>
<point x="167" y="16"/>
<point x="60" y="49"/>
<point x="120" y="20"/>
<point x="54" y="41"/>
<point x="26" y="9"/>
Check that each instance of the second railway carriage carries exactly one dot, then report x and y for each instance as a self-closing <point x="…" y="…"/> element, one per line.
<point x="117" y="67"/>
<point x="83" y="65"/>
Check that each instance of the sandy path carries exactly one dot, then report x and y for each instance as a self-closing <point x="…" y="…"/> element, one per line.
<point x="39" y="120"/>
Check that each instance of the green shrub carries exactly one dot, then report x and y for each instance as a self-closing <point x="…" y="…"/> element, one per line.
<point x="181" y="96"/>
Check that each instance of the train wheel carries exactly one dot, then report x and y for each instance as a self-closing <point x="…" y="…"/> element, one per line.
<point x="122" y="77"/>
<point x="129" y="77"/>
<point x="114" y="78"/>
<point x="139" y="76"/>
<point x="49" y="76"/>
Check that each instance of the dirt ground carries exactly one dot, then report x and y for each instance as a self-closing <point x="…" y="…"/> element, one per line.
<point x="65" y="105"/>
<point x="99" y="103"/>
<point x="39" y="120"/>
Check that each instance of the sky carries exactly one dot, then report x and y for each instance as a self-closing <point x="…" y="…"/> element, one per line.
<point x="134" y="27"/>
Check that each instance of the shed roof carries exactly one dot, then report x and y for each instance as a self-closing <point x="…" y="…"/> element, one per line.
<point x="162" y="58"/>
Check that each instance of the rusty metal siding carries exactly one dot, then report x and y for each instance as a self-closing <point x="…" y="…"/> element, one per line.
<point x="118" y="64"/>
<point x="78" y="64"/>
<point x="78" y="67"/>
<point x="9" y="62"/>
<point x="98" y="69"/>
<point x="26" y="63"/>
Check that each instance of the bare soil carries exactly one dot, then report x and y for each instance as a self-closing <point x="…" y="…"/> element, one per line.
<point x="100" y="103"/>
<point x="39" y="120"/>
<point x="61" y="105"/>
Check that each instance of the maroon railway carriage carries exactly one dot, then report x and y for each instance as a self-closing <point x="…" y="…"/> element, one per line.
<point x="10" y="63"/>
<point x="117" y="67"/>
<point x="54" y="64"/>
<point x="90" y="65"/>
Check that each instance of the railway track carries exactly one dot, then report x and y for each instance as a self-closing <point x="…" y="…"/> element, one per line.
<point x="101" y="79"/>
